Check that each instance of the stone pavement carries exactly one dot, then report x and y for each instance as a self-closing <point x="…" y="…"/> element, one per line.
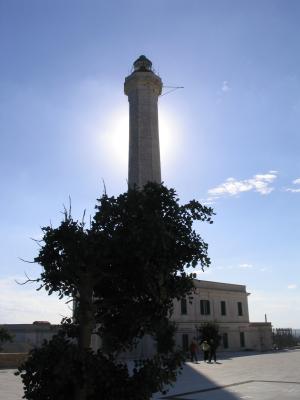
<point x="11" y="387"/>
<point x="247" y="375"/>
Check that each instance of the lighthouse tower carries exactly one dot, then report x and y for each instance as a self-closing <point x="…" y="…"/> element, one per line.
<point x="143" y="87"/>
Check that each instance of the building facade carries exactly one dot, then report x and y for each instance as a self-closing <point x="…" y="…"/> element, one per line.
<point x="222" y="303"/>
<point x="28" y="336"/>
<point x="226" y="305"/>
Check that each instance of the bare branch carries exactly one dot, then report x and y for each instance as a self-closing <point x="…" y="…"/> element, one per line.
<point x="38" y="242"/>
<point x="65" y="212"/>
<point x="41" y="287"/>
<point x="83" y="216"/>
<point x="29" y="262"/>
<point x="104" y="186"/>
<point x="70" y="206"/>
<point x="29" y="280"/>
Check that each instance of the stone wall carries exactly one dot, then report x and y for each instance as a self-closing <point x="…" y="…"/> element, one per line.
<point x="28" y="336"/>
<point x="12" y="360"/>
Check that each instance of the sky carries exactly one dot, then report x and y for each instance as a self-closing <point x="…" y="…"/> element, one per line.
<point x="230" y="138"/>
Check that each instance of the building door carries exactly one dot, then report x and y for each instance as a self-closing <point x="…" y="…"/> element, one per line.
<point x="242" y="339"/>
<point x="185" y="342"/>
<point x="225" y="340"/>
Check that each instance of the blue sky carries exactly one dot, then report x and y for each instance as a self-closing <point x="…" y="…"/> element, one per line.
<point x="229" y="138"/>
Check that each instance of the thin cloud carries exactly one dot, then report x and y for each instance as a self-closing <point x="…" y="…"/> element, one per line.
<point x="280" y="310"/>
<point x="232" y="187"/>
<point x="294" y="190"/>
<point x="225" y="87"/>
<point x="23" y="304"/>
<point x="208" y="202"/>
<point x="200" y="273"/>
<point x="245" y="265"/>
<point x="239" y="266"/>
<point x="221" y="93"/>
<point x="292" y="286"/>
<point x="225" y="267"/>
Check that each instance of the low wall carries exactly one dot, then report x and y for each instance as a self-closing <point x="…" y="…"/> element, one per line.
<point x="12" y="360"/>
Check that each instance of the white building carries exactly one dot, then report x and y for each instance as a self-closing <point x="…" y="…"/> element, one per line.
<point x="28" y="336"/>
<point x="227" y="305"/>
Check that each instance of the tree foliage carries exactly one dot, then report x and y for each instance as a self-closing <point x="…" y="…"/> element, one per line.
<point x="123" y="270"/>
<point x="207" y="331"/>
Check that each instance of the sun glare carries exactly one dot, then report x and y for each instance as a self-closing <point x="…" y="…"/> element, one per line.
<point x="168" y="137"/>
<point x="115" y="138"/>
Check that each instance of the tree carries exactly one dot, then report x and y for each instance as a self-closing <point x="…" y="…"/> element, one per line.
<point x="123" y="271"/>
<point x="5" y="336"/>
<point x="208" y="331"/>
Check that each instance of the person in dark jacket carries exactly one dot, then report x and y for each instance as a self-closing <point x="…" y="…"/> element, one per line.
<point x="194" y="350"/>
<point x="213" y="350"/>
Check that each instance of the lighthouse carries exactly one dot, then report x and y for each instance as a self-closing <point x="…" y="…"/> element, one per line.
<point x="143" y="87"/>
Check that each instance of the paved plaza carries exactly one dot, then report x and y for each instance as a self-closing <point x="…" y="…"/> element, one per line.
<point x="259" y="376"/>
<point x="267" y="376"/>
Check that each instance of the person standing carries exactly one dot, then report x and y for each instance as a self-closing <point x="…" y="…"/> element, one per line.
<point x="213" y="350"/>
<point x="206" y="350"/>
<point x="194" y="350"/>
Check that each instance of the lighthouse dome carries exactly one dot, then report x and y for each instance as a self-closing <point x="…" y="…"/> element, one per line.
<point x="142" y="64"/>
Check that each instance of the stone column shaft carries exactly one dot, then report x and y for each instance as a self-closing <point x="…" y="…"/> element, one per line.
<point x="143" y="88"/>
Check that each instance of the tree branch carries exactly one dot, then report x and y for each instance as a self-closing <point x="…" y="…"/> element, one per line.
<point x="28" y="280"/>
<point x="29" y="262"/>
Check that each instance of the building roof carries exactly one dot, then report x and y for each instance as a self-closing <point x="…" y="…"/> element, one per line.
<point x="232" y="287"/>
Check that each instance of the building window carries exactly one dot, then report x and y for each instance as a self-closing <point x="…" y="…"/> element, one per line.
<point x="225" y="340"/>
<point x="223" y="308"/>
<point x="205" y="307"/>
<point x="242" y="339"/>
<point x="185" y="342"/>
<point x="183" y="307"/>
<point x="240" y="308"/>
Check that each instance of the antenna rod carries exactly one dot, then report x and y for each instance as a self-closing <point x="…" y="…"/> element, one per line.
<point x="172" y="89"/>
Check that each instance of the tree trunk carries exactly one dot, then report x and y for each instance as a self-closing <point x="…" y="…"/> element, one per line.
<point x="86" y="322"/>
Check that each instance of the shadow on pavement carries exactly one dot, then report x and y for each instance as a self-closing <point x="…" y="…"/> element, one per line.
<point x="192" y="384"/>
